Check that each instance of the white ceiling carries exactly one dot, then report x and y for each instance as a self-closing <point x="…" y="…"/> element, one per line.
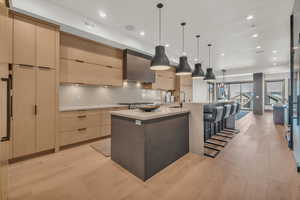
<point x="220" y="22"/>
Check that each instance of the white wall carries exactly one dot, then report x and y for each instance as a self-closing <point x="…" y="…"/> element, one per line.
<point x="200" y="91"/>
<point x="78" y="95"/>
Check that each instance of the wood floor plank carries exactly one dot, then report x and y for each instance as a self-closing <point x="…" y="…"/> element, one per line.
<point x="255" y="165"/>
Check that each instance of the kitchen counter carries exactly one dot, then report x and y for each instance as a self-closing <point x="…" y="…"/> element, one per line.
<point x="146" y="142"/>
<point x="103" y="106"/>
<point x="141" y="115"/>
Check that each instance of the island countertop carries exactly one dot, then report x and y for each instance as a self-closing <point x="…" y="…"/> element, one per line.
<point x="141" y="115"/>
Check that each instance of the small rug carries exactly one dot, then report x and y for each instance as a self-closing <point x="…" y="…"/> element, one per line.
<point x="241" y="114"/>
<point x="103" y="147"/>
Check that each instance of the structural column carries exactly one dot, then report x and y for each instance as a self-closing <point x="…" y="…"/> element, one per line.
<point x="258" y="90"/>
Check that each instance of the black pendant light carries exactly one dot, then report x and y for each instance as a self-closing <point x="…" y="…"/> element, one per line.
<point x="183" y="67"/>
<point x="209" y="76"/>
<point x="198" y="73"/>
<point x="160" y="60"/>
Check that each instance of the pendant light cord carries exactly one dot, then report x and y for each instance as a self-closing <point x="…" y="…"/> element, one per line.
<point x="209" y="54"/>
<point x="198" y="47"/>
<point x="183" y="24"/>
<point x="159" y="6"/>
<point x="159" y="26"/>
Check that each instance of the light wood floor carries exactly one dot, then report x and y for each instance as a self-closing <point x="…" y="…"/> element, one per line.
<point x="256" y="165"/>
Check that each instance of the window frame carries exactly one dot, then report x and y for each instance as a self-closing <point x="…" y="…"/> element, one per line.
<point x="266" y="90"/>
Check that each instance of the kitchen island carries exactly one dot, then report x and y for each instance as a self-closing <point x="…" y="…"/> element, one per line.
<point x="146" y="142"/>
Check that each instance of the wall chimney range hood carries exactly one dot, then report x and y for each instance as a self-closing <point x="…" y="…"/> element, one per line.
<point x="137" y="67"/>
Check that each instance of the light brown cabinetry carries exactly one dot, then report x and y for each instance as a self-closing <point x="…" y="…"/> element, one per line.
<point x="34" y="43"/>
<point x="24" y="118"/>
<point x="184" y="88"/>
<point x="6" y="27"/>
<point x="34" y="100"/>
<point x="164" y="80"/>
<point x="79" y="126"/>
<point x="45" y="45"/>
<point x="80" y="72"/>
<point x="46" y="108"/>
<point x="87" y="62"/>
<point x="24" y="37"/>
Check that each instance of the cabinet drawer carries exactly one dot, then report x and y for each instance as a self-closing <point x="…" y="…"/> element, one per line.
<point x="76" y="121"/>
<point x="80" y="135"/>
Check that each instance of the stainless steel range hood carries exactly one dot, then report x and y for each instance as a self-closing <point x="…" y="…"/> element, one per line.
<point x="137" y="67"/>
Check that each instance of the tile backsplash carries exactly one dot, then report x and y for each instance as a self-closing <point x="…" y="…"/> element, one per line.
<point x="80" y="95"/>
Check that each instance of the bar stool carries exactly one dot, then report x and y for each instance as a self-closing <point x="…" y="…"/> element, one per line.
<point x="213" y="138"/>
<point x="228" y="110"/>
<point x="209" y="118"/>
<point x="234" y="112"/>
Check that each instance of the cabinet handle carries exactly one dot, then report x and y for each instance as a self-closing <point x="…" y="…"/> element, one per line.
<point x="35" y="110"/>
<point x="45" y="68"/>
<point x="81" y="116"/>
<point x="80" y="61"/>
<point x="108" y="66"/>
<point x="23" y="65"/>
<point x="81" y="129"/>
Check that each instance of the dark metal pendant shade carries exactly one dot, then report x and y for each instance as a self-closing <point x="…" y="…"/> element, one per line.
<point x="183" y="67"/>
<point x="209" y="76"/>
<point x="160" y="60"/>
<point x="198" y="73"/>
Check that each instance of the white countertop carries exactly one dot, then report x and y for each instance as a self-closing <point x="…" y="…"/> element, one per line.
<point x="141" y="115"/>
<point x="92" y="107"/>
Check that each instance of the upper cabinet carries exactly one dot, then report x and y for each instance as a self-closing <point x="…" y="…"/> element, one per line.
<point x="24" y="41"/>
<point x="6" y="28"/>
<point x="87" y="62"/>
<point x="34" y="43"/>
<point x="164" y="80"/>
<point x="45" y="45"/>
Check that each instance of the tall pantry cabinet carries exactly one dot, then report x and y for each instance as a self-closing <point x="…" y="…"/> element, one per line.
<point x="35" y="85"/>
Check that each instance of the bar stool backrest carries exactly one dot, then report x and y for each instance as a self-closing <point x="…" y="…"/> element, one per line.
<point x="219" y="113"/>
<point x="234" y="109"/>
<point x="227" y="112"/>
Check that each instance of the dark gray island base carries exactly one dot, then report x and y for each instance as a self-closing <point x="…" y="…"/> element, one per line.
<point x="144" y="147"/>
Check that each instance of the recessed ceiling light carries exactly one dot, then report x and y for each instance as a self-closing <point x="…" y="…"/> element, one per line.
<point x="258" y="47"/>
<point x="142" y="33"/>
<point x="102" y="14"/>
<point x="222" y="54"/>
<point x="274" y="51"/>
<point x="255" y="35"/>
<point x="167" y="45"/>
<point x="274" y="58"/>
<point x="250" y="17"/>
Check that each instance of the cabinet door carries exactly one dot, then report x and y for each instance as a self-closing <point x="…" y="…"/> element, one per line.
<point x="24" y="118"/>
<point x="46" y="45"/>
<point x="46" y="108"/>
<point x="5" y="36"/>
<point x="24" y="45"/>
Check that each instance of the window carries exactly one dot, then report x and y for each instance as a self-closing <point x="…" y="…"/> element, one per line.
<point x="274" y="92"/>
<point x="241" y="92"/>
